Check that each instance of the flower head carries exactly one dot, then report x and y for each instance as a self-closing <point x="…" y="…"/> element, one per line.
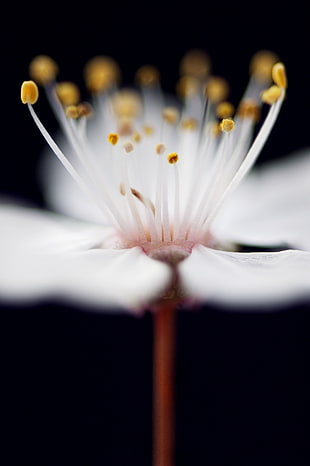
<point x="160" y="173"/>
<point x="154" y="174"/>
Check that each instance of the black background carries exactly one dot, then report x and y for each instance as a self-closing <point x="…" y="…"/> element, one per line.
<point x="76" y="386"/>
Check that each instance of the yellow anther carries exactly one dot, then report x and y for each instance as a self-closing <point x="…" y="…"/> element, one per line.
<point x="72" y="112"/>
<point x="173" y="158"/>
<point x="249" y="109"/>
<point x="113" y="138"/>
<point x="261" y="65"/>
<point x="127" y="103"/>
<point x="148" y="130"/>
<point x="195" y="63"/>
<point x="187" y="86"/>
<point x="271" y="95"/>
<point x="136" y="137"/>
<point x="160" y="149"/>
<point x="128" y="147"/>
<point x="101" y="73"/>
<point x="29" y="92"/>
<point x="125" y="126"/>
<point x="216" y="89"/>
<point x="85" y="109"/>
<point x="171" y="115"/>
<point x="67" y="93"/>
<point x="189" y="123"/>
<point x="225" y="110"/>
<point x="147" y="75"/>
<point x="227" y="125"/>
<point x="279" y="75"/>
<point x="215" y="129"/>
<point x="43" y="69"/>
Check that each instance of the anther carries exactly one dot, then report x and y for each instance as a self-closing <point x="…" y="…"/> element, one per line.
<point x="249" y="109"/>
<point x="225" y="110"/>
<point x="29" y="92"/>
<point x="43" y="69"/>
<point x="125" y="126"/>
<point x="72" y="112"/>
<point x="122" y="189"/>
<point x="147" y="75"/>
<point x="279" y="75"/>
<point x="160" y="149"/>
<point x="146" y="202"/>
<point x="189" y="123"/>
<point x="84" y="109"/>
<point x="128" y="147"/>
<point x="67" y="93"/>
<point x="187" y="86"/>
<point x="172" y="158"/>
<point x="101" y="73"/>
<point x="216" y="89"/>
<point x="148" y="130"/>
<point x="261" y="65"/>
<point x="127" y="103"/>
<point x="227" y="125"/>
<point x="271" y="95"/>
<point x="113" y="138"/>
<point x="136" y="137"/>
<point x="195" y="63"/>
<point x="171" y="115"/>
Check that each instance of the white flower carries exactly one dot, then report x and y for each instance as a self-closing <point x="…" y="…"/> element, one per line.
<point x="154" y="189"/>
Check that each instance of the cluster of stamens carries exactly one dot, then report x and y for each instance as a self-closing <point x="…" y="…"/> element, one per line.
<point x="159" y="172"/>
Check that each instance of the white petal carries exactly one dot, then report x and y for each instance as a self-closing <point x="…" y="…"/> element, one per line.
<point x="271" y="207"/>
<point x="44" y="256"/>
<point x="238" y="279"/>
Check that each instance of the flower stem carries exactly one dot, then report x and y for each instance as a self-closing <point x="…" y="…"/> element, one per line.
<point x="163" y="385"/>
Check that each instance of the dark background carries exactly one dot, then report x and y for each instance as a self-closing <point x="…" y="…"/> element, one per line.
<point x="76" y="386"/>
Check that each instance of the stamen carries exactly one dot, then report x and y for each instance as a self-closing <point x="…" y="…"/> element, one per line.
<point x="125" y="126"/>
<point x="136" y="137"/>
<point x="144" y="201"/>
<point x="67" y="93"/>
<point x="187" y="86"/>
<point x="101" y="73"/>
<point x="172" y="158"/>
<point x="72" y="112"/>
<point x="128" y="147"/>
<point x="195" y="63"/>
<point x="225" y="110"/>
<point x="271" y="95"/>
<point x="160" y="149"/>
<point x="249" y="109"/>
<point x="189" y="123"/>
<point x="127" y="103"/>
<point x="148" y="130"/>
<point x="261" y="65"/>
<point x="113" y="138"/>
<point x="279" y="75"/>
<point x="227" y="125"/>
<point x="147" y="75"/>
<point x="84" y="109"/>
<point x="29" y="92"/>
<point x="43" y="69"/>
<point x="216" y="89"/>
<point x="171" y="115"/>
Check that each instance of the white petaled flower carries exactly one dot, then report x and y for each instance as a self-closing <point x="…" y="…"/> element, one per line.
<point x="148" y="199"/>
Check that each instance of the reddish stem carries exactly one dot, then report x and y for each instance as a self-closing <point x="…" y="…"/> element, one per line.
<point x="163" y="385"/>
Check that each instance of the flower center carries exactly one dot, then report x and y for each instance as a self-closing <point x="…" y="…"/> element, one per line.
<point x="159" y="172"/>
